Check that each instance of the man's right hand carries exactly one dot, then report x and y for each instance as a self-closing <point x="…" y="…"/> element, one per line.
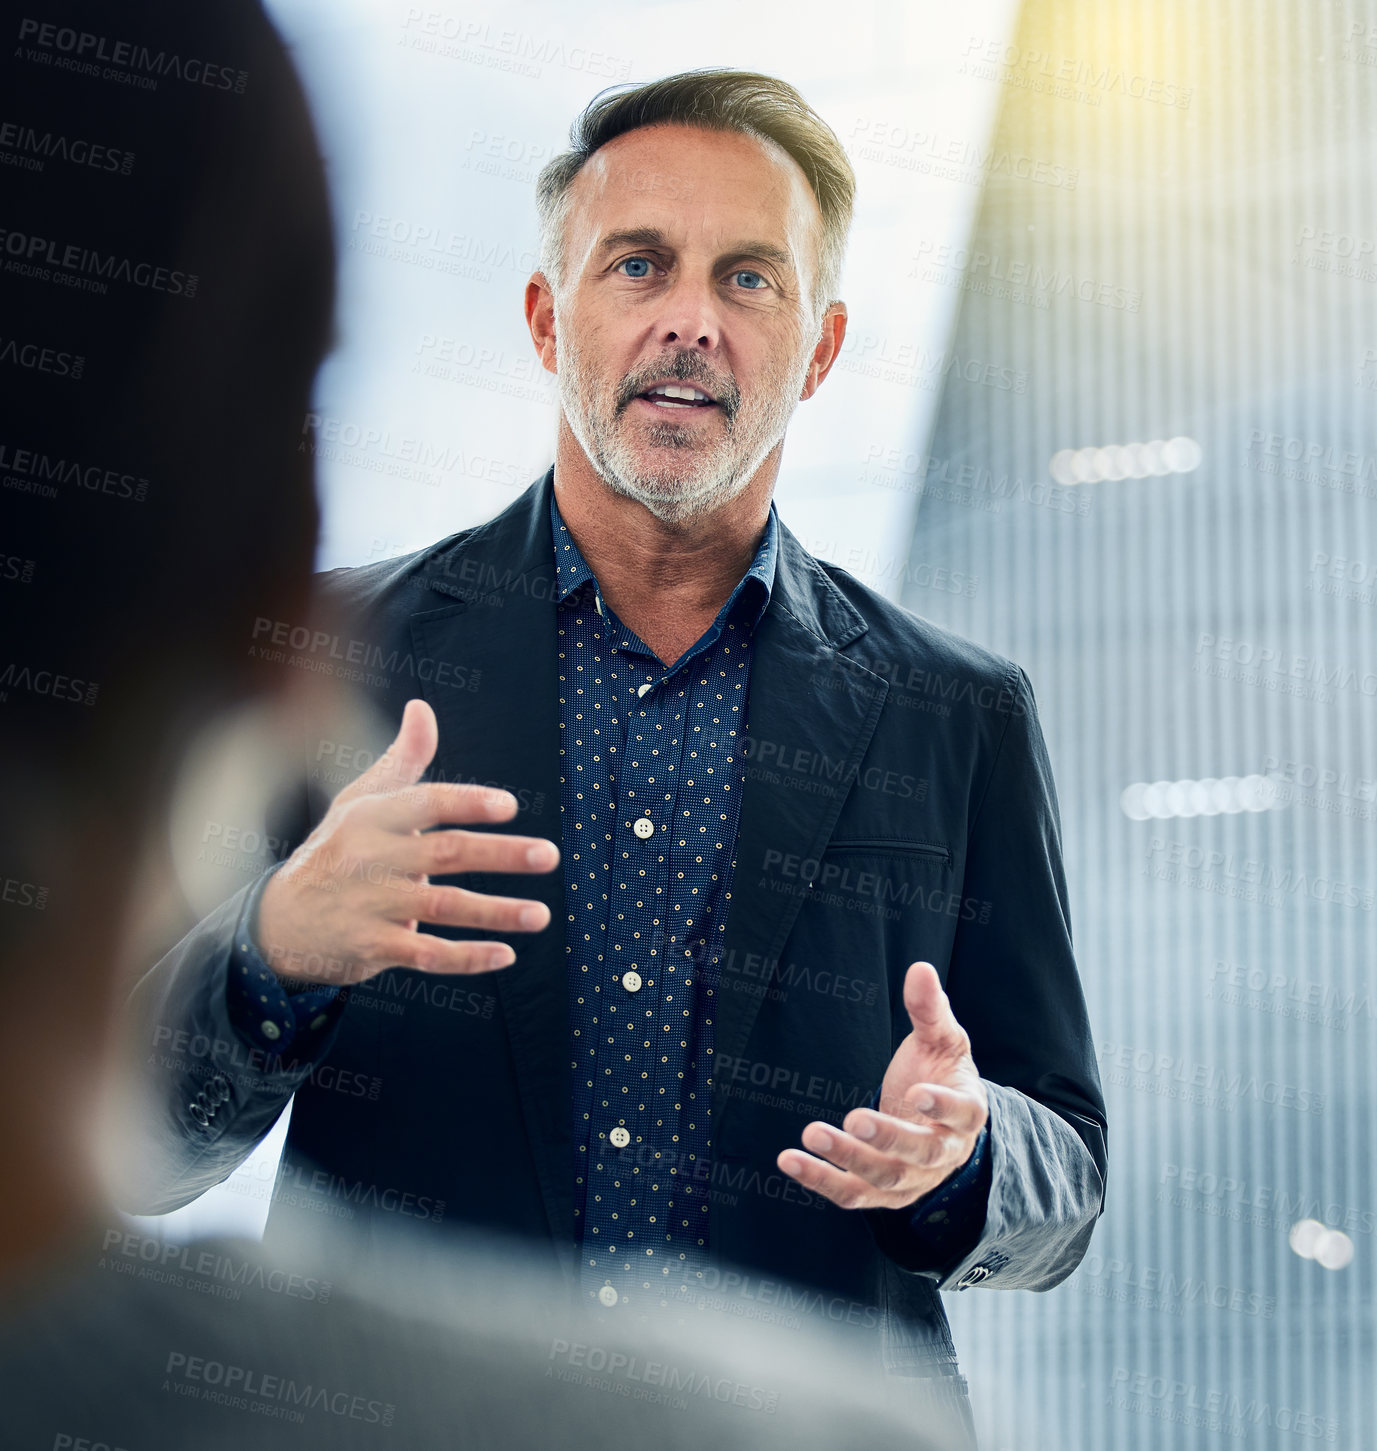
<point x="348" y="901"/>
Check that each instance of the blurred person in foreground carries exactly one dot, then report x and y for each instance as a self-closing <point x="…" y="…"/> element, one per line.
<point x="166" y="302"/>
<point x="802" y="999"/>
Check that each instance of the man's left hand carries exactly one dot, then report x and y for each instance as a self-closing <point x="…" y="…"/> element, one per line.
<point x="932" y="1108"/>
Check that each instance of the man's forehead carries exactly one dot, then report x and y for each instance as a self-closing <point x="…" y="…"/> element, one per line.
<point x="668" y="176"/>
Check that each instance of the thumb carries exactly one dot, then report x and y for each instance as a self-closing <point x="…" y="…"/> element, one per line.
<point x="927" y="1005"/>
<point x="404" y="762"/>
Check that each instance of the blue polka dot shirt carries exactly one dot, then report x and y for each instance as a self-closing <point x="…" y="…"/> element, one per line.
<point x="651" y="776"/>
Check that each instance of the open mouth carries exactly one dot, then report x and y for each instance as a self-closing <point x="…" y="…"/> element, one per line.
<point x="677" y="397"/>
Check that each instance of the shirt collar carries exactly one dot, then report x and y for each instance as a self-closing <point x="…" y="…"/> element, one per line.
<point x="573" y="570"/>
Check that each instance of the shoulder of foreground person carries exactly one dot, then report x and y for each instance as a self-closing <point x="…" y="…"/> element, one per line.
<point x="145" y="1345"/>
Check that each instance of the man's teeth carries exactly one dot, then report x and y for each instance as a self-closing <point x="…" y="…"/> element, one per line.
<point x="687" y="395"/>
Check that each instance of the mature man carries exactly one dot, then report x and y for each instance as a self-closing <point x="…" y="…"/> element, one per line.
<point x="809" y="952"/>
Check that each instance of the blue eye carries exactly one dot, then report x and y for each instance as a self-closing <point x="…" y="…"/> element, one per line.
<point x="753" y="286"/>
<point x="631" y="262"/>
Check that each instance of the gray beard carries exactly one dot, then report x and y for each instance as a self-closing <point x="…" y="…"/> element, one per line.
<point x="712" y="475"/>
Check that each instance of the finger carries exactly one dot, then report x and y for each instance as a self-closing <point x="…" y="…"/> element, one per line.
<point x="849" y="1191"/>
<point x="404" y="762"/>
<point x="413" y="808"/>
<point x="920" y="1143"/>
<point x="914" y="1147"/>
<point x="426" y="953"/>
<point x="442" y="853"/>
<point x="929" y="1008"/>
<point x="459" y="907"/>
<point x="949" y="1107"/>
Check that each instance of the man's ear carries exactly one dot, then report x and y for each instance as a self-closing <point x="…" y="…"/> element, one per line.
<point x="540" y="318"/>
<point x="828" y="348"/>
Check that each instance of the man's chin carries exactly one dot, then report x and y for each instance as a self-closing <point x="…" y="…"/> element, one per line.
<point x="670" y="496"/>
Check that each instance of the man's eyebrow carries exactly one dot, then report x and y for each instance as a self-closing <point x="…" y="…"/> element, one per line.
<point x="767" y="252"/>
<point x="654" y="237"/>
<point x="633" y="237"/>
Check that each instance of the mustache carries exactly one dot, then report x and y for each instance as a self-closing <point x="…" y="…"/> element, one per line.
<point x="682" y="368"/>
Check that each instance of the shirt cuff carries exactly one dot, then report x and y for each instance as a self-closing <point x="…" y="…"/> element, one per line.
<point x="951" y="1217"/>
<point x="945" y="1225"/>
<point x="265" y="1014"/>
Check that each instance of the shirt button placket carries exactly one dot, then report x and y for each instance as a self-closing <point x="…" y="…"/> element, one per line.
<point x="623" y="949"/>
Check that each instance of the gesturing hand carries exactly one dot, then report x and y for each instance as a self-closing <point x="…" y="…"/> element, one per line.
<point x="347" y="902"/>
<point x="932" y="1108"/>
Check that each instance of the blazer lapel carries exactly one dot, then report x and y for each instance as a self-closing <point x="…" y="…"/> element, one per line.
<point x="805" y="696"/>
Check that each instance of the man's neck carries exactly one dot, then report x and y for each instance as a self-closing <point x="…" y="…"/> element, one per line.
<point x="664" y="581"/>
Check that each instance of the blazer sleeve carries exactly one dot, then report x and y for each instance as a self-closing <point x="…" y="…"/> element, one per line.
<point x="211" y="1090"/>
<point x="1013" y="986"/>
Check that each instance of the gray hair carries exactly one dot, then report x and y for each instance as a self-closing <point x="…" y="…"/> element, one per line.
<point x="716" y="100"/>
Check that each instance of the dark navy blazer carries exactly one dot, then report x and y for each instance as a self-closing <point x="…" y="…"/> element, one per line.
<point x="899" y="805"/>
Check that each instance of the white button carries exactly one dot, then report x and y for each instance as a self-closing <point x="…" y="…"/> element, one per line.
<point x="620" y="1137"/>
<point x="643" y="826"/>
<point x="270" y="1030"/>
<point x="644" y="689"/>
<point x="631" y="981"/>
<point x="607" y="1296"/>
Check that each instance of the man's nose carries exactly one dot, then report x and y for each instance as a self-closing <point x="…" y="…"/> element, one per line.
<point x="691" y="316"/>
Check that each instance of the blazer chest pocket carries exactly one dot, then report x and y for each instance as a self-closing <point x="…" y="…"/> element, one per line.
<point x="881" y="878"/>
<point x="882" y="845"/>
<point x="888" y="898"/>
